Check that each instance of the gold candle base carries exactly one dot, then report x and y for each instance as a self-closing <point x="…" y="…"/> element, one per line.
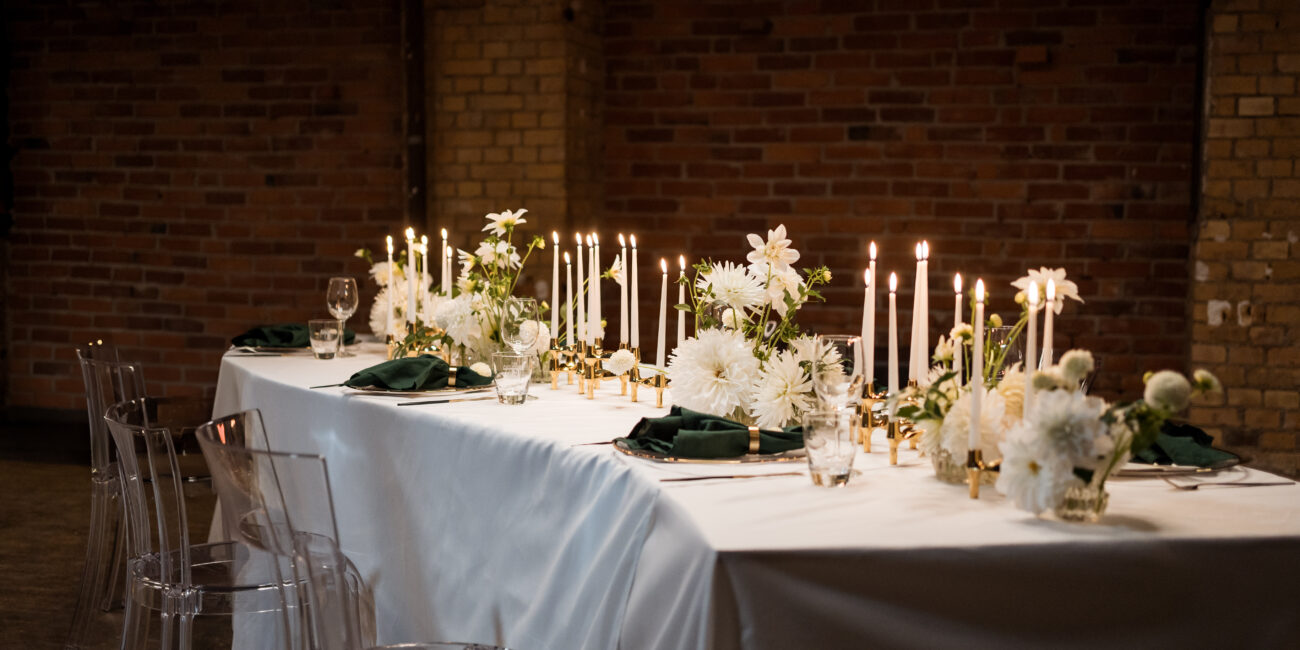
<point x="594" y="370"/>
<point x="658" y="381"/>
<point x="895" y="435"/>
<point x="974" y="466"/>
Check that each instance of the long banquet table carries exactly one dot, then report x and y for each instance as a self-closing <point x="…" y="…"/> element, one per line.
<point x="480" y="522"/>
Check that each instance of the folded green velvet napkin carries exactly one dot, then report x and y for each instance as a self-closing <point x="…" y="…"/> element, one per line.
<point x="684" y="433"/>
<point x="287" y="335"/>
<point x="1183" y="444"/>
<point x="424" y="372"/>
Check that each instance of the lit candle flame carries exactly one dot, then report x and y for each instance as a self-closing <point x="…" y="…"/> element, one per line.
<point x="633" y="238"/>
<point x="956" y="283"/>
<point x="390" y="244"/>
<point x="444" y="234"/>
<point x="681" y="261"/>
<point x="555" y="237"/>
<point x="424" y="240"/>
<point x="595" y="238"/>
<point x="578" y="236"/>
<point x="919" y="255"/>
<point x="621" y="241"/>
<point x="588" y="241"/>
<point x="1033" y="294"/>
<point x="979" y="290"/>
<point x="872" y="250"/>
<point x="451" y="251"/>
<point x="1051" y="290"/>
<point x="663" y="264"/>
<point x="893" y="282"/>
<point x="566" y="257"/>
<point x="866" y="277"/>
<point x="410" y="234"/>
<point x="925" y="249"/>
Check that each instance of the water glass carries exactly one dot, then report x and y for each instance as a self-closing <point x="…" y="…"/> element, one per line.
<point x="834" y="373"/>
<point x="342" y="299"/>
<point x="325" y="334"/>
<point x="519" y="325"/>
<point x="828" y="440"/>
<point x="513" y="373"/>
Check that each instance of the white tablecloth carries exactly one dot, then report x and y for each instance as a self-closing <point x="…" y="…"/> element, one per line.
<point x="476" y="521"/>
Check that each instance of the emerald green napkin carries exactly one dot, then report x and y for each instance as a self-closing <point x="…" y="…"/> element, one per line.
<point x="424" y="372"/>
<point x="287" y="335"/>
<point x="1183" y="444"/>
<point x="690" y="434"/>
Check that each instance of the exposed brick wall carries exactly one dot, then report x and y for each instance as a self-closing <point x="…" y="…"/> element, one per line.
<point x="1246" y="280"/>
<point x="187" y="169"/>
<point x="1010" y="134"/>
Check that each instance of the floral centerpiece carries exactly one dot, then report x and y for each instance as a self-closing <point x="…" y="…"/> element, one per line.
<point x="1061" y="455"/>
<point x="749" y="360"/>
<point x="940" y="404"/>
<point x="469" y="318"/>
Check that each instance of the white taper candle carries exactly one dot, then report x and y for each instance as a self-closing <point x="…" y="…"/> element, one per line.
<point x="1050" y="310"/>
<point x="977" y="369"/>
<point x="663" y="315"/>
<point x="893" y="332"/>
<point x="1031" y="348"/>
<point x="568" y="299"/>
<point x="635" y="297"/>
<point x="681" y="299"/>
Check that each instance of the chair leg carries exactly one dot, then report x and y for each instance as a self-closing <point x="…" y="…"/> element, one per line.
<point x="99" y="570"/>
<point x="135" y="624"/>
<point x="112" y="594"/>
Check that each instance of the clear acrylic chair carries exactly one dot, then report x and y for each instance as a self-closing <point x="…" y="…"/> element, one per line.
<point x="169" y="578"/>
<point x="283" y="503"/>
<point x="107" y="380"/>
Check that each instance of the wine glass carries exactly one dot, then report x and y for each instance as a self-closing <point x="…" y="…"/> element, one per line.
<point x="519" y="325"/>
<point x="342" y="299"/>
<point x="836" y="371"/>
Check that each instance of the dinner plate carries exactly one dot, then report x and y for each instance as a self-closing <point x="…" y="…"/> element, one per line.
<point x="452" y="390"/>
<point x="782" y="457"/>
<point x="1143" y="470"/>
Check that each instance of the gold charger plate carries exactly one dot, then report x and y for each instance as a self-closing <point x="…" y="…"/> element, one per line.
<point x="783" y="457"/>
<point x="452" y="390"/>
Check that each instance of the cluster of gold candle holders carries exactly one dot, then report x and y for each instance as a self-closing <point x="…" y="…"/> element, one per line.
<point x="587" y="362"/>
<point x="391" y="344"/>
<point x="869" y="416"/>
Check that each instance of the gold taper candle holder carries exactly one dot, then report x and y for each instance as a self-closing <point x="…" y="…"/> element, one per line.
<point x="912" y="383"/>
<point x="593" y="369"/>
<point x="557" y="364"/>
<point x="869" y="417"/>
<point x="657" y="380"/>
<point x="622" y="379"/>
<point x="894" y="433"/>
<point x="974" y="467"/>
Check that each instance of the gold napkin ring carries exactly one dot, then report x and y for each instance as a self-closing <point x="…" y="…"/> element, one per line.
<point x="753" y="440"/>
<point x="451" y="376"/>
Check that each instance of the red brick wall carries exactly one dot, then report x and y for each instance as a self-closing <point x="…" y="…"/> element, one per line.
<point x="1010" y="134"/>
<point x="1246" y="279"/>
<point x="185" y="170"/>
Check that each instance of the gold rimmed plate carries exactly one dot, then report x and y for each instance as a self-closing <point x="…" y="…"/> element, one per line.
<point x="782" y="457"/>
<point x="1142" y="470"/>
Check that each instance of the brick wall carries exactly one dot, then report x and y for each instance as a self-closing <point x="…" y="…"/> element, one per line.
<point x="1010" y="134"/>
<point x="185" y="170"/>
<point x="1245" y="310"/>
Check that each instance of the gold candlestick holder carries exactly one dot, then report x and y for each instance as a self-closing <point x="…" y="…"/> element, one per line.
<point x="559" y="364"/>
<point x="592" y="368"/>
<point x="623" y="378"/>
<point x="894" y="433"/>
<point x="974" y="468"/>
<point x="911" y="383"/>
<point x="390" y="343"/>
<point x="869" y="417"/>
<point x="657" y="381"/>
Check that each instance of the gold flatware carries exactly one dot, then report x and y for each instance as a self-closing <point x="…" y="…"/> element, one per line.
<point x="677" y="479"/>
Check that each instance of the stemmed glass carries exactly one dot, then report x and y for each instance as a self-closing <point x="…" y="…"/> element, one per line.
<point x="519" y="327"/>
<point x="836" y="374"/>
<point x="342" y="300"/>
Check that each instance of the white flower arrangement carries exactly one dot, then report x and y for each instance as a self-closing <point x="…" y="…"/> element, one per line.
<point x="748" y="360"/>
<point x="1073" y="440"/>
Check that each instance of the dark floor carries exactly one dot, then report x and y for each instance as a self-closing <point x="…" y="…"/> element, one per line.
<point x="44" y="514"/>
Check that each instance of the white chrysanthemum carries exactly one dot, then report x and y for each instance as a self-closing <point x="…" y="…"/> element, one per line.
<point x="499" y="222"/>
<point x="1069" y="422"/>
<point x="1075" y="365"/>
<point x="429" y="308"/>
<point x="379" y="315"/>
<point x="1033" y="476"/>
<point x="1064" y="288"/>
<point x="458" y="318"/>
<point x="775" y="251"/>
<point x="731" y="285"/>
<point x="1012" y="389"/>
<point x="784" y="392"/>
<point x="962" y="332"/>
<point x="713" y="372"/>
<point x="954" y="435"/>
<point x="778" y="283"/>
<point x="1168" y="390"/>
<point x="482" y="369"/>
<point x="500" y="254"/>
<point x="381" y="271"/>
<point x="616" y="271"/>
<point x="620" y="362"/>
<point x="731" y="319"/>
<point x="542" y="331"/>
<point x="814" y="350"/>
<point x="1206" y="382"/>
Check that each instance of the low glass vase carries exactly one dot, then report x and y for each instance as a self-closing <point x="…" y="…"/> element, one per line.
<point x="953" y="471"/>
<point x="1083" y="504"/>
